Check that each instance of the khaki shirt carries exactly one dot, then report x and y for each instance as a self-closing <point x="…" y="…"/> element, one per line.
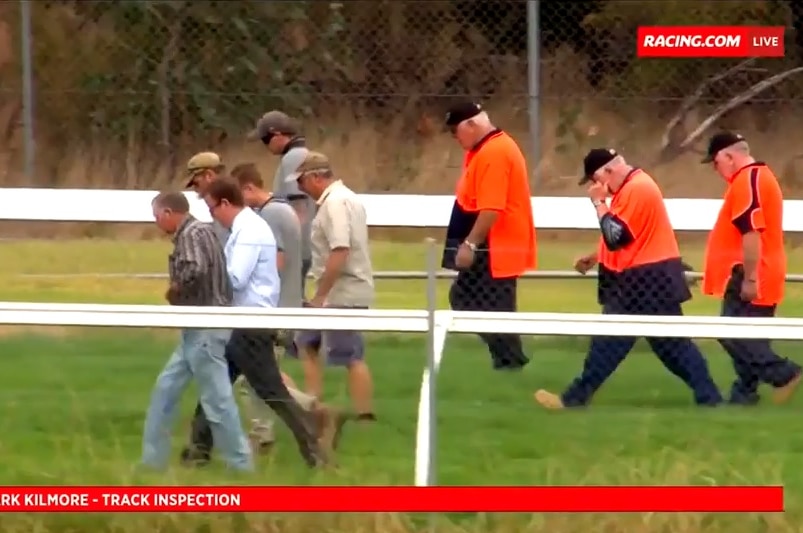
<point x="341" y="223"/>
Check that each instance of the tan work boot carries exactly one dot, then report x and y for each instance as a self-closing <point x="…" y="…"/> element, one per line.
<point x="549" y="400"/>
<point x="329" y="424"/>
<point x="784" y="394"/>
<point x="260" y="445"/>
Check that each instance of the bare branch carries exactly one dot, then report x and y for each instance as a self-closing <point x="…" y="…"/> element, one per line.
<point x="733" y="103"/>
<point x="691" y="101"/>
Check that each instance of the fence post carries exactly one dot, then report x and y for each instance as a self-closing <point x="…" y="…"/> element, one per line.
<point x="432" y="363"/>
<point x="534" y="86"/>
<point x="27" y="92"/>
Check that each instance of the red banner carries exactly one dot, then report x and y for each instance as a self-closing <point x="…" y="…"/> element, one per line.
<point x="391" y="499"/>
<point x="710" y="41"/>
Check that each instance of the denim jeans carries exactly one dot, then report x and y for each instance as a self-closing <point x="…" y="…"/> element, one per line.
<point x="199" y="355"/>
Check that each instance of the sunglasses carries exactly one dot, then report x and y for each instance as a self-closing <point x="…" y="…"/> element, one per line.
<point x="267" y="138"/>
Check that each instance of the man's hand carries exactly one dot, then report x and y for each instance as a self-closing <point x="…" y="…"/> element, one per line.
<point x="317" y="301"/>
<point x="464" y="257"/>
<point x="172" y="294"/>
<point x="585" y="263"/>
<point x="749" y="290"/>
<point x="597" y="192"/>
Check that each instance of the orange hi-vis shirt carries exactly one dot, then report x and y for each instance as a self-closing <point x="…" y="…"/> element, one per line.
<point x="495" y="178"/>
<point x="639" y="204"/>
<point x="753" y="202"/>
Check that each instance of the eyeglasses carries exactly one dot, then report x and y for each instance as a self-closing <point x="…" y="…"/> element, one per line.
<point x="213" y="208"/>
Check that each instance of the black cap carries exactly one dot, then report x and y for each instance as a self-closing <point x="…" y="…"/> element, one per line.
<point x="720" y="141"/>
<point x="460" y="112"/>
<point x="595" y="160"/>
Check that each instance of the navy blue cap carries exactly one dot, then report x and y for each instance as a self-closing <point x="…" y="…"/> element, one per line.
<point x="460" y="112"/>
<point x="594" y="160"/>
<point x="720" y="141"/>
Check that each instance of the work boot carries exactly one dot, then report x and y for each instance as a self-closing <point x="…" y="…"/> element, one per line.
<point x="195" y="457"/>
<point x="549" y="400"/>
<point x="784" y="393"/>
<point x="329" y="424"/>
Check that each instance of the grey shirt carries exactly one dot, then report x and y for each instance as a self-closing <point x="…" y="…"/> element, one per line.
<point x="197" y="266"/>
<point x="290" y="161"/>
<point x="286" y="228"/>
<point x="221" y="232"/>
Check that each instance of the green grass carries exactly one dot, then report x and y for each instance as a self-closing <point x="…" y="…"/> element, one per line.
<point x="73" y="401"/>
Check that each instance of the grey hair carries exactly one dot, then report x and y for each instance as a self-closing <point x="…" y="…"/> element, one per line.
<point x="617" y="161"/>
<point x="172" y="200"/>
<point x="740" y="147"/>
<point x="482" y="120"/>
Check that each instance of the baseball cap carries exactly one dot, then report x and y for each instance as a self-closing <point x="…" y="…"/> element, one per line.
<point x="720" y="141"/>
<point x="315" y="161"/>
<point x="594" y="160"/>
<point x="273" y="122"/>
<point x="462" y="111"/>
<point x="202" y="161"/>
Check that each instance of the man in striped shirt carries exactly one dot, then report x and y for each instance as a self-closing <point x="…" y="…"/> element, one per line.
<point x="198" y="277"/>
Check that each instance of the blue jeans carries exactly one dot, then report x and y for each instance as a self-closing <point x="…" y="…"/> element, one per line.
<point x="199" y="355"/>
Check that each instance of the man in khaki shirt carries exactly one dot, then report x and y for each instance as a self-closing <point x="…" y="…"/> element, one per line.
<point x="341" y="268"/>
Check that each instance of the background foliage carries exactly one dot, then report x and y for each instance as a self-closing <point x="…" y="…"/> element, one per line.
<point x="140" y="83"/>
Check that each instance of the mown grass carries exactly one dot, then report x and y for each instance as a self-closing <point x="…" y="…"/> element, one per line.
<point x="73" y="402"/>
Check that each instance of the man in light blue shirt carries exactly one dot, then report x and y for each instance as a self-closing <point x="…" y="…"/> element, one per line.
<point x="252" y="269"/>
<point x="251" y="261"/>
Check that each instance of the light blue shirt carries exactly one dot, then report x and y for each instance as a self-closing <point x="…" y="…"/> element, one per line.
<point x="251" y="262"/>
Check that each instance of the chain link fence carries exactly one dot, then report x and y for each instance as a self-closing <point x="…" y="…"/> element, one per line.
<point x="121" y="92"/>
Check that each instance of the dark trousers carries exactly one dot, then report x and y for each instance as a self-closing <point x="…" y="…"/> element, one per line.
<point x="250" y="353"/>
<point x="754" y="360"/>
<point x="476" y="290"/>
<point x="679" y="355"/>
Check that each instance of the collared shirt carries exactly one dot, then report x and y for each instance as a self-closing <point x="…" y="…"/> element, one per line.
<point x="640" y="269"/>
<point x="197" y="266"/>
<point x="251" y="262"/>
<point x="753" y="202"/>
<point x="494" y="178"/>
<point x="341" y="222"/>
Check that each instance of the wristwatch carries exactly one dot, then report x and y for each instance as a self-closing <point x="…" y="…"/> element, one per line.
<point x="471" y="246"/>
<point x="597" y="203"/>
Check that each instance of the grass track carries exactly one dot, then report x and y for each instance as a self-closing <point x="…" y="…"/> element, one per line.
<point x="73" y="402"/>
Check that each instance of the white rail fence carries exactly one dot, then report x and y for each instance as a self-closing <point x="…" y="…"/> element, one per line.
<point x="384" y="210"/>
<point x="435" y="324"/>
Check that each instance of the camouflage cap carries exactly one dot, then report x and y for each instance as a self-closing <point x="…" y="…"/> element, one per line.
<point x="315" y="161"/>
<point x="200" y="162"/>
<point x="273" y="122"/>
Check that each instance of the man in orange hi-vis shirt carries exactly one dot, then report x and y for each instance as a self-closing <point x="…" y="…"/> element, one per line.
<point x="640" y="273"/>
<point x="490" y="240"/>
<point x="745" y="265"/>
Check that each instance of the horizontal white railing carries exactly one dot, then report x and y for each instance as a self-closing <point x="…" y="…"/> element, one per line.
<point x="443" y="322"/>
<point x="384" y="210"/>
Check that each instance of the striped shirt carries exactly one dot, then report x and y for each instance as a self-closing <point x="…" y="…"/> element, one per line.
<point x="197" y="266"/>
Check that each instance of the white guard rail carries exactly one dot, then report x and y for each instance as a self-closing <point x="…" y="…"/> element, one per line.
<point x="437" y="324"/>
<point x="383" y="210"/>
